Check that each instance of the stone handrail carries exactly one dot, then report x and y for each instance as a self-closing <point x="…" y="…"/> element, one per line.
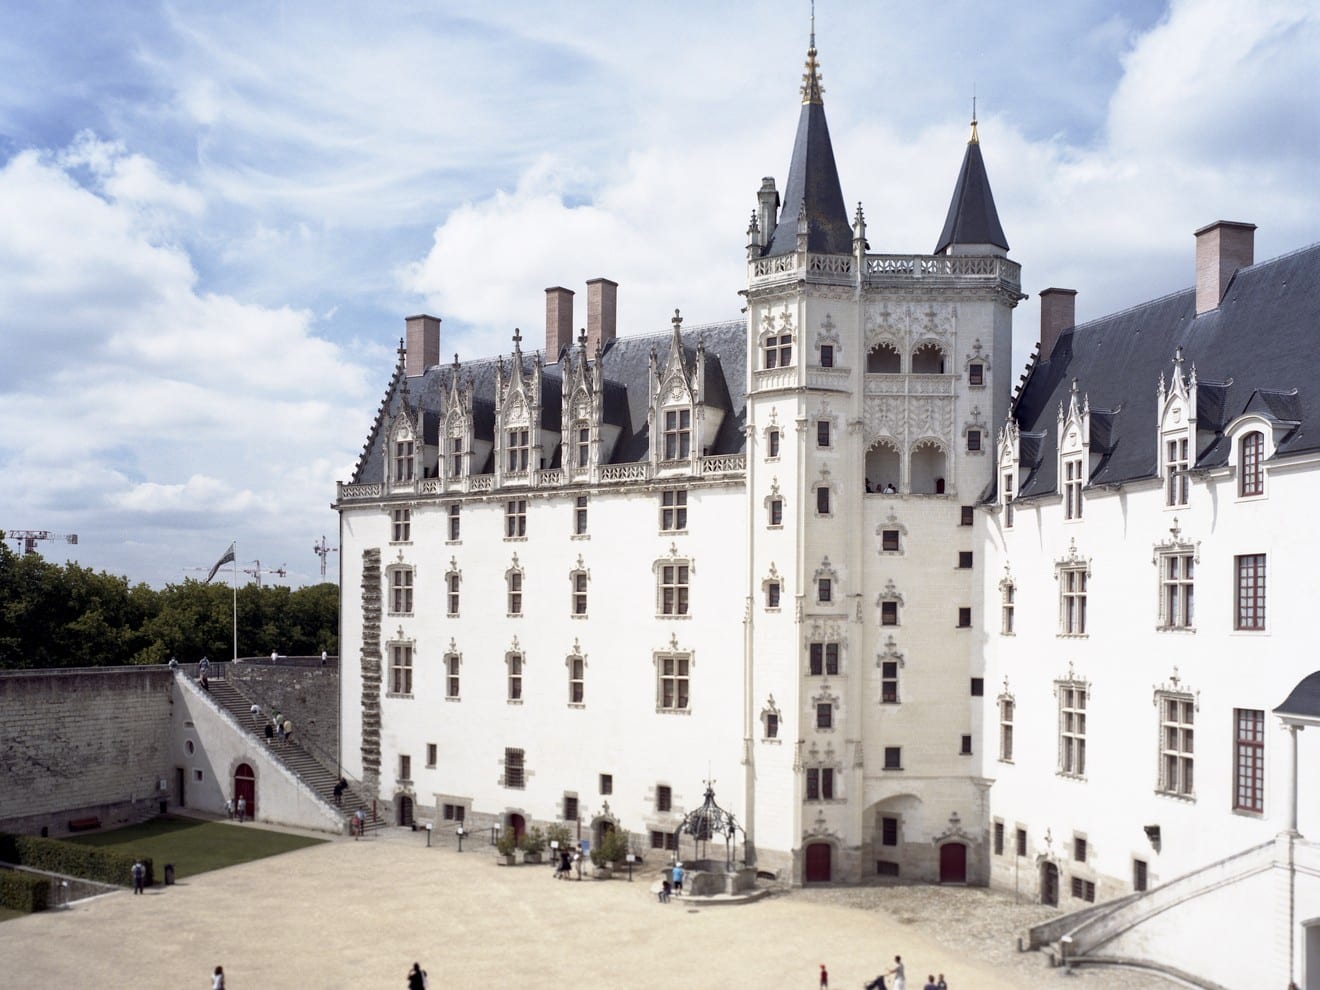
<point x="432" y="486"/>
<point x="481" y="482"/>
<point x="347" y="492"/>
<point x="887" y="267"/>
<point x="723" y="464"/>
<point x="768" y="378"/>
<point x="640" y="471"/>
<point x="915" y="385"/>
<point x="550" y="476"/>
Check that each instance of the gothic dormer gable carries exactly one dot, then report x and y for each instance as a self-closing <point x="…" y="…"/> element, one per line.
<point x="676" y="405"/>
<point x="1176" y="432"/>
<point x="1176" y="406"/>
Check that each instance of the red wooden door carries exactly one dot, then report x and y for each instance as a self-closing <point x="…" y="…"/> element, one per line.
<point x="953" y="863"/>
<point x="518" y="824"/>
<point x="818" y="863"/>
<point x="245" y="787"/>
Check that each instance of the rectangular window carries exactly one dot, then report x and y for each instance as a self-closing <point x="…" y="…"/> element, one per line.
<point x="454" y="530"/>
<point x="964" y="618"/>
<point x="827" y="783"/>
<point x="1139" y="875"/>
<point x="580" y="516"/>
<point x="515" y="661"/>
<point x="402" y="528"/>
<point x="823" y="500"/>
<point x="964" y="559"/>
<point x="1072" y="729"/>
<point x="515" y="518"/>
<point x="673" y="511"/>
<point x="401" y="590"/>
<point x="966" y="747"/>
<point x="968" y="515"/>
<point x="513" y="768"/>
<point x="517" y="448"/>
<point x="1072" y="605"/>
<point x="1083" y="890"/>
<point x="673" y="589"/>
<point x="1249" y="760"/>
<point x="1007" y="489"/>
<point x="405" y="767"/>
<point x="454" y="812"/>
<point x="827" y="355"/>
<point x="776" y="512"/>
<point x="451" y="593"/>
<point x="664" y="798"/>
<point x="823" y="433"/>
<point x="430" y="755"/>
<point x="1251" y="474"/>
<point x="664" y="840"/>
<point x="1072" y="488"/>
<point x="888" y="831"/>
<point x="455" y="457"/>
<point x="813" y="784"/>
<point x="976" y="374"/>
<point x="1176" y="588"/>
<point x="772" y="594"/>
<point x="1250" y="605"/>
<point x="824" y="715"/>
<point x="893" y="757"/>
<point x="824" y="590"/>
<point x="451" y="675"/>
<point x="999" y="838"/>
<point x="401" y="664"/>
<point x="889" y="613"/>
<point x="772" y="444"/>
<point x="1175" y="472"/>
<point x="576" y="680"/>
<point x="889" y="540"/>
<point x="583" y="446"/>
<point x="607" y="783"/>
<point x="678" y="434"/>
<point x="403" y="460"/>
<point x="1006" y="730"/>
<point x="978" y="687"/>
<point x="824" y="658"/>
<point x="973" y="441"/>
<point x="515" y="579"/>
<point x="778" y="351"/>
<point x="889" y="682"/>
<point x="1022" y="842"/>
<point x="1079" y="849"/>
<point x="1177" y="714"/>
<point x="673" y="687"/>
<point x="579" y="593"/>
<point x="570" y="808"/>
<point x="1008" y="607"/>
<point x="771" y="725"/>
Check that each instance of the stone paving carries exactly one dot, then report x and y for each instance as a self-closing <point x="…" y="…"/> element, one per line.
<point x="357" y="914"/>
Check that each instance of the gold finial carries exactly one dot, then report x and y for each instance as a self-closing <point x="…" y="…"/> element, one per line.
<point x="811" y="87"/>
<point x="975" y="138"/>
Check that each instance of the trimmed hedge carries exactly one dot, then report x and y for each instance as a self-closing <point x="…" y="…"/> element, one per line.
<point x="72" y="859"/>
<point x="23" y="891"/>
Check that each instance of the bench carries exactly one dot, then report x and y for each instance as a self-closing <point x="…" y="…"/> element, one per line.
<point x="84" y="824"/>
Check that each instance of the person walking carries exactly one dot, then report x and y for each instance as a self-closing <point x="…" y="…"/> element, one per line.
<point x="242" y="808"/>
<point x="824" y="977"/>
<point x="256" y="714"/>
<point x="229" y="808"/>
<point x="341" y="785"/>
<point x="900" y="979"/>
<point x="417" y="978"/>
<point x="930" y="983"/>
<point x="139" y="876"/>
<point x="288" y="731"/>
<point x="218" y="979"/>
<point x="940" y="984"/>
<point x="270" y="734"/>
<point x="359" y="819"/>
<point x="678" y="879"/>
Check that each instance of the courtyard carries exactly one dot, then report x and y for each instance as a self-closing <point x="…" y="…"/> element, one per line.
<point x="348" y="914"/>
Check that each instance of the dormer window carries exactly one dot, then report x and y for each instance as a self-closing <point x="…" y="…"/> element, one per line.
<point x="582" y="446"/>
<point x="1175" y="472"/>
<point x="1072" y="488"/>
<point x="678" y="434"/>
<point x="404" y="460"/>
<point x="1007" y="488"/>
<point x="778" y="350"/>
<point x="455" y="457"/>
<point x="1251" y="470"/>
<point x="518" y="449"/>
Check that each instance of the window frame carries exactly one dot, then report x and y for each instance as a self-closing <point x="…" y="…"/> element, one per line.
<point x="515" y="519"/>
<point x="578" y="593"/>
<point x="823" y="658"/>
<point x="515" y="769"/>
<point x="1177" y="737"/>
<point x="453" y="683"/>
<point x="580" y="505"/>
<point x="673" y="588"/>
<point x="401" y="525"/>
<point x="513" y="581"/>
<point x="1177" y="481"/>
<point x="455" y="519"/>
<point x="1072" y="487"/>
<point x="1073" y="698"/>
<point x="517" y="449"/>
<point x="405" y="461"/>
<point x="577" y="680"/>
<point x="1074" y="581"/>
<point x="1177" y="580"/>
<point x="402" y="580"/>
<point x="673" y="510"/>
<point x="673" y="682"/>
<point x="1249" y="590"/>
<point x="1249" y="761"/>
<point x="515" y="664"/>
<point x="401" y="657"/>
<point x="1251" y="465"/>
<point x="676" y="436"/>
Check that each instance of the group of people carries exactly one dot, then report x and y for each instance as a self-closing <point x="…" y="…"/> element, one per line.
<point x="240" y="809"/>
<point x="876" y="489"/>
<point x="564" y="863"/>
<point x="672" y="883"/>
<point x="278" y="723"/>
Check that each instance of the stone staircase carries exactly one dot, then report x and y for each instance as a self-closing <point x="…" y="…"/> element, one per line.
<point x="297" y="759"/>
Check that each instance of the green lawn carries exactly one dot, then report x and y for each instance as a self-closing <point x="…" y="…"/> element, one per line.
<point x="196" y="846"/>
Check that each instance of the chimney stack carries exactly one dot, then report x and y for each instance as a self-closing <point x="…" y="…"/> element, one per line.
<point x="1221" y="249"/>
<point x="602" y="313"/>
<point x="558" y="322"/>
<point x="422" y="342"/>
<point x="1058" y="312"/>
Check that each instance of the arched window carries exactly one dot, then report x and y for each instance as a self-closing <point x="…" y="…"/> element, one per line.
<point x="883" y="360"/>
<point x="1251" y="470"/>
<point x="928" y="359"/>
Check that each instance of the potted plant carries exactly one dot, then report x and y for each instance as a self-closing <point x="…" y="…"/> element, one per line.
<point x="613" y="849"/>
<point x="507" y="846"/>
<point x="532" y="844"/>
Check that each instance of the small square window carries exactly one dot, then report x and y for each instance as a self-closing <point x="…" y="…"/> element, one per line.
<point x="968" y="514"/>
<point x="889" y="541"/>
<point x="978" y="687"/>
<point x="607" y="783"/>
<point x="893" y="757"/>
<point x="1083" y="890"/>
<point x="964" y="559"/>
<point x="964" y="618"/>
<point x="664" y="798"/>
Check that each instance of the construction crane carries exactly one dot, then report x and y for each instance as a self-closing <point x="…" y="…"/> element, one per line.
<point x="323" y="550"/>
<point x="29" y="537"/>
<point x="256" y="570"/>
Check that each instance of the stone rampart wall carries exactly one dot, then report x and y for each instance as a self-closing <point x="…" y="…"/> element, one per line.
<point x="307" y="695"/>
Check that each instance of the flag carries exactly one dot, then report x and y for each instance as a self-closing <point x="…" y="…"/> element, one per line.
<point x="228" y="558"/>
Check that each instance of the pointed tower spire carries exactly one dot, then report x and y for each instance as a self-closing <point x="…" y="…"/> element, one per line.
<point x="813" y="178"/>
<point x="972" y="217"/>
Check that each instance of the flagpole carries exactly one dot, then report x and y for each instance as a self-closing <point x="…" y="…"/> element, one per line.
<point x="234" y="572"/>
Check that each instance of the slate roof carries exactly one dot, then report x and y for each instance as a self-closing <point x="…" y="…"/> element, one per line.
<point x="1304" y="700"/>
<point x="626" y="385"/>
<point x="813" y="184"/>
<point x="972" y="217"/>
<point x="1257" y="352"/>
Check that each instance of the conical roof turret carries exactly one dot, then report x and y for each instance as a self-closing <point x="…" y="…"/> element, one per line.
<point x="972" y="217"/>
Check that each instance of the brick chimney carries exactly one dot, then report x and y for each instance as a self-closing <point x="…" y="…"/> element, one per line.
<point x="1058" y="312"/>
<point x="558" y="322"/>
<point x="422" y="341"/>
<point x="1221" y="249"/>
<point x="602" y="312"/>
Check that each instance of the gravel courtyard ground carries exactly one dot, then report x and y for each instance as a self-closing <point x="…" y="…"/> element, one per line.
<point x="357" y="914"/>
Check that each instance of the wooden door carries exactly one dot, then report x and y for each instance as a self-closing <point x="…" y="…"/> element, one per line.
<point x="817" y="863"/>
<point x="953" y="863"/>
<point x="1049" y="884"/>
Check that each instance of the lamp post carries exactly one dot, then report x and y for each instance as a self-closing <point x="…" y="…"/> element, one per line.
<point x="428" y="835"/>
<point x="460" y="832"/>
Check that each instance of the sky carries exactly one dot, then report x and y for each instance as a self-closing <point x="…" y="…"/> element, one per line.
<point x="215" y="217"/>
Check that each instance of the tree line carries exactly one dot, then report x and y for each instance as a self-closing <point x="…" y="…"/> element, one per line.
<point x="66" y="615"/>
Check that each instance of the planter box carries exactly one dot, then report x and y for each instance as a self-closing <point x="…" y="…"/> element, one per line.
<point x="531" y="857"/>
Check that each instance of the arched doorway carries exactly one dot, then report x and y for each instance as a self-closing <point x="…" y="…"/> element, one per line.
<point x="817" y="867"/>
<point x="953" y="863"/>
<point x="404" y="804"/>
<point x="600" y="828"/>
<point x="245" y="787"/>
<point x="1049" y="884"/>
<point x="518" y="823"/>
